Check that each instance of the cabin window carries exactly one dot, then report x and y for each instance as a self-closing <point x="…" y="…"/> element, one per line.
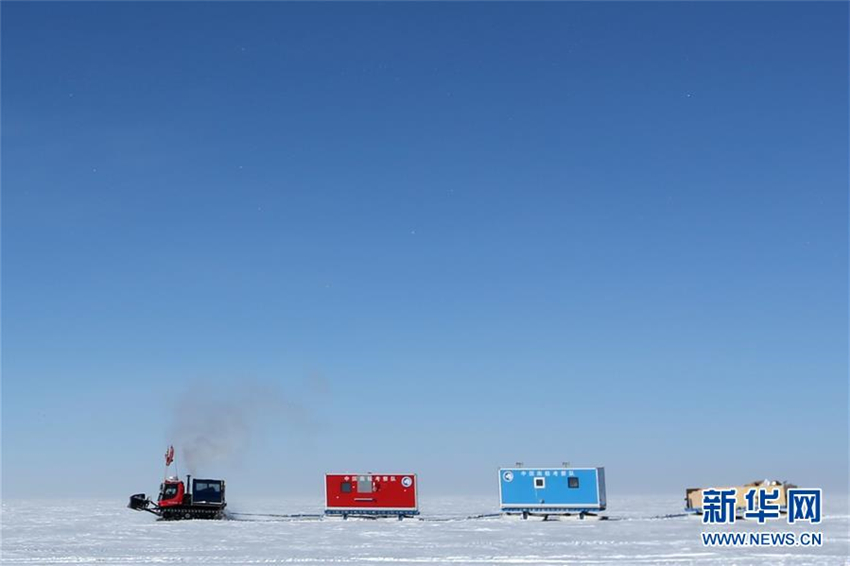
<point x="539" y="483"/>
<point x="364" y="486"/>
<point x="572" y="482"/>
<point x="212" y="487"/>
<point x="345" y="487"/>
<point x="207" y="491"/>
<point x="169" y="490"/>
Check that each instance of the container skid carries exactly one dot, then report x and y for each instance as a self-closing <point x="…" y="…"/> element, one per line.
<point x="546" y="492"/>
<point x="371" y="495"/>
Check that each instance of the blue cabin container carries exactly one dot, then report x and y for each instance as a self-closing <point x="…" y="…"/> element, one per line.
<point x="550" y="491"/>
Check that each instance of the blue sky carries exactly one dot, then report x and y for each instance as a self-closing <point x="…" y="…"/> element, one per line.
<point x="429" y="236"/>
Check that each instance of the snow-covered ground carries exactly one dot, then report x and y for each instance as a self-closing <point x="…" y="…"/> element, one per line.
<point x="105" y="532"/>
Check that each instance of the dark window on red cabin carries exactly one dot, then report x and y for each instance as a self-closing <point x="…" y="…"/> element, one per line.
<point x="572" y="482"/>
<point x="169" y="491"/>
<point x="345" y="487"/>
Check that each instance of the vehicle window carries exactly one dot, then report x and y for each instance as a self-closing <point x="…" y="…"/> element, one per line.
<point x="207" y="491"/>
<point x="169" y="491"/>
<point x="572" y="482"/>
<point x="345" y="487"/>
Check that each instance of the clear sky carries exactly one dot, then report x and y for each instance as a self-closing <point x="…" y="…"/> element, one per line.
<point x="428" y="236"/>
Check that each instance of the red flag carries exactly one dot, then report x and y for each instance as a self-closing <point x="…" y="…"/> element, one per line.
<point x="169" y="455"/>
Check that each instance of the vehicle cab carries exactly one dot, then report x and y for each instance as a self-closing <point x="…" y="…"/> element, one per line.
<point x="171" y="492"/>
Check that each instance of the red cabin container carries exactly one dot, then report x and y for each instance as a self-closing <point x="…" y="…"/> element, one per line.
<point x="377" y="495"/>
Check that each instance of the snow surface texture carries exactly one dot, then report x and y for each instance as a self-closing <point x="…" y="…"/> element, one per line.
<point x="106" y="532"/>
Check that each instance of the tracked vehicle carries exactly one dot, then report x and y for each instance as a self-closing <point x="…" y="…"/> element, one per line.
<point x="194" y="499"/>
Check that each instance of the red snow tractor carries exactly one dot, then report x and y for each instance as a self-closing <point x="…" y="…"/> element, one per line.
<point x="205" y="500"/>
